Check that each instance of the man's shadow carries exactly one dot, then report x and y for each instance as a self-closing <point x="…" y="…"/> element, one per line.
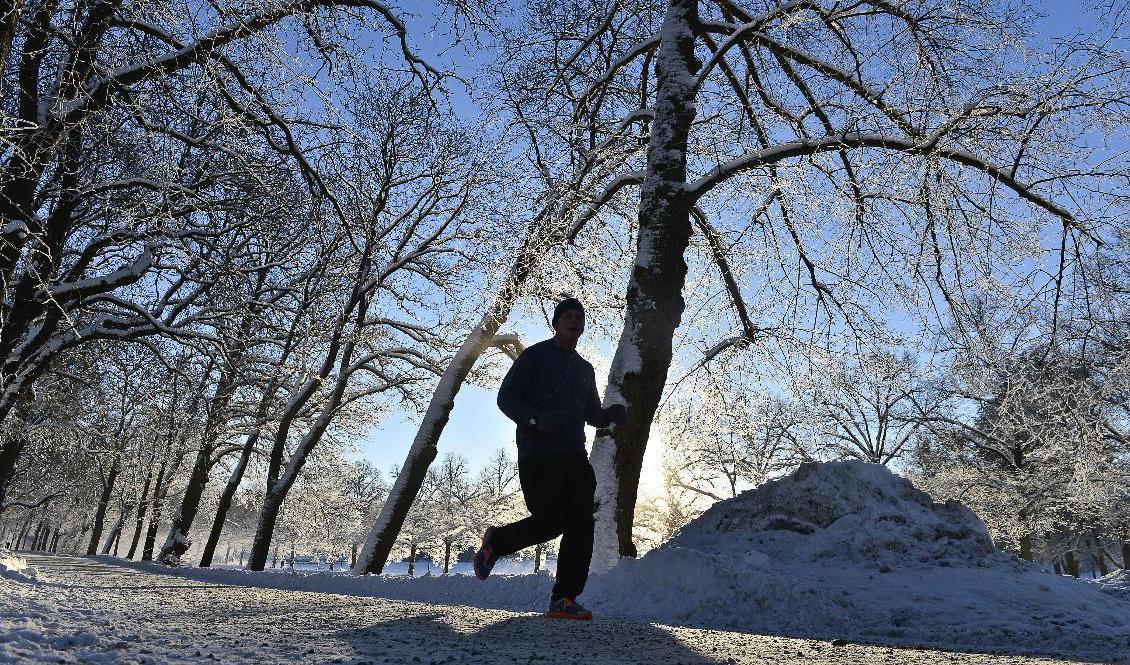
<point x="517" y="639"/>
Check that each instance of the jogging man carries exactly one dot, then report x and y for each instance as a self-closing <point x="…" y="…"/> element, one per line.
<point x="550" y="393"/>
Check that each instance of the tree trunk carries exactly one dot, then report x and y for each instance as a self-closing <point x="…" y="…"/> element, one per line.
<point x="10" y="450"/>
<point x="155" y="519"/>
<point x="1071" y="564"/>
<point x="264" y="530"/>
<point x="1026" y="547"/>
<point x="446" y="557"/>
<point x="226" y="500"/>
<point x="55" y="542"/>
<point x="275" y="557"/>
<point x="386" y="529"/>
<point x="654" y="297"/>
<point x="353" y="557"/>
<point x="116" y="532"/>
<point x="412" y="561"/>
<point x="34" y="544"/>
<point x="1126" y="555"/>
<point x="142" y="509"/>
<point x="1098" y="558"/>
<point x="278" y="486"/>
<point x="537" y="557"/>
<point x="178" y="542"/>
<point x="1098" y="555"/>
<point x="103" y="506"/>
<point x="23" y="532"/>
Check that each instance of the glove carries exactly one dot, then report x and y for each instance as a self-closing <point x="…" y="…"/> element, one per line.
<point x="548" y="422"/>
<point x="617" y="413"/>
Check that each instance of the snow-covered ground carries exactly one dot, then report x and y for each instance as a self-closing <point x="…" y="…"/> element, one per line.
<point x="838" y="551"/>
<point x="84" y="611"/>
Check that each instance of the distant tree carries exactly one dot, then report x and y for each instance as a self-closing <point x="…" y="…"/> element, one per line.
<point x="872" y="408"/>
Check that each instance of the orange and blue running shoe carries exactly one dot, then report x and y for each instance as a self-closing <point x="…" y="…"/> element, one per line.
<point x="485" y="558"/>
<point x="565" y="608"/>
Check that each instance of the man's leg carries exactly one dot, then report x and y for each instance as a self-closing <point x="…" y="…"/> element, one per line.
<point x="576" y="545"/>
<point x="544" y="488"/>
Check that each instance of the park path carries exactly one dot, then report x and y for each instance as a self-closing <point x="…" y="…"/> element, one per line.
<point x="88" y="611"/>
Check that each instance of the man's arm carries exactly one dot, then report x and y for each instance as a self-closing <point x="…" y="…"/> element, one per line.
<point x="511" y="395"/>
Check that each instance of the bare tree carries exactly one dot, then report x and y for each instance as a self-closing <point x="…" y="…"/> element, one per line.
<point x="872" y="408"/>
<point x="866" y="144"/>
<point x="125" y="129"/>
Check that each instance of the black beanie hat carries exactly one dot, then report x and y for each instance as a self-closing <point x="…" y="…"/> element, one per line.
<point x="564" y="306"/>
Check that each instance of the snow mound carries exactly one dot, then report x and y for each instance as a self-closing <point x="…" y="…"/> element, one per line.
<point x="1116" y="584"/>
<point x="14" y="567"/>
<point x="849" y="550"/>
<point x="846" y="512"/>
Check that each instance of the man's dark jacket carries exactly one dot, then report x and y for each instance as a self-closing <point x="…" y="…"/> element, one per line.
<point x="556" y="389"/>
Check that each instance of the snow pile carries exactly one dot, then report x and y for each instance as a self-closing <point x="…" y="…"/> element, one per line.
<point x="14" y="567"/>
<point x="846" y="513"/>
<point x="1116" y="584"/>
<point x="850" y="550"/>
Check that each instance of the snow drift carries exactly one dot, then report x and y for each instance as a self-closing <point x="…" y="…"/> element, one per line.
<point x="14" y="567"/>
<point x="850" y="550"/>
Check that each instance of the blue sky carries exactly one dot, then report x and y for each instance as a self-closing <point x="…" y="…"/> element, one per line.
<point x="477" y="427"/>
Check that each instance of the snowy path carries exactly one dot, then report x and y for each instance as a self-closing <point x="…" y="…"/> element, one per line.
<point x="87" y="611"/>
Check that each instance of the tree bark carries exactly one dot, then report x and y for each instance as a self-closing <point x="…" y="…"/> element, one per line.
<point x="226" y="500"/>
<point x="340" y="355"/>
<point x="103" y="506"/>
<point x="160" y="488"/>
<point x="1098" y="554"/>
<point x="178" y="542"/>
<point x="1071" y="564"/>
<point x="1026" y="547"/>
<point x="23" y="532"/>
<point x="10" y="450"/>
<point x="654" y="296"/>
<point x="34" y="544"/>
<point x="142" y="509"/>
<point x="115" y="533"/>
<point x="264" y="530"/>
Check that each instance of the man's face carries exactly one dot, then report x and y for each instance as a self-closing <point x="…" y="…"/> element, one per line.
<point x="570" y="325"/>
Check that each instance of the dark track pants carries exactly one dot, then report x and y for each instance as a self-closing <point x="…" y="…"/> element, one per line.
<point x="559" y="494"/>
